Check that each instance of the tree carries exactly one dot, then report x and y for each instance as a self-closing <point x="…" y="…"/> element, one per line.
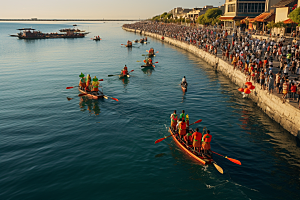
<point x="295" y="15"/>
<point x="211" y="16"/>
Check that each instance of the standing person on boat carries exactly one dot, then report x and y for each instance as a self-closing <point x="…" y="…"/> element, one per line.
<point x="88" y="83"/>
<point x="206" y="139"/>
<point x="95" y="85"/>
<point x="82" y="81"/>
<point x="174" y="119"/>
<point x="197" y="136"/>
<point x="182" y="129"/>
<point x="182" y="115"/>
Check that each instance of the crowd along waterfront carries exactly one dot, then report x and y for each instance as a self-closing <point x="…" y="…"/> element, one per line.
<point x="56" y="145"/>
<point x="245" y="54"/>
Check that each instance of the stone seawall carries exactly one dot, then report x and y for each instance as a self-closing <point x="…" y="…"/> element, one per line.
<point x="285" y="114"/>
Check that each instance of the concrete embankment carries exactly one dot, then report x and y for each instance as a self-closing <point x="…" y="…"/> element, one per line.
<point x="285" y="114"/>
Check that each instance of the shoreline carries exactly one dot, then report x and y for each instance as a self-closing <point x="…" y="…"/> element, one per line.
<point x="283" y="113"/>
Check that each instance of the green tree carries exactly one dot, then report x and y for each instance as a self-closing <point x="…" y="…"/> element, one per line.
<point x="295" y="15"/>
<point x="271" y="25"/>
<point x="169" y="15"/>
<point x="211" y="16"/>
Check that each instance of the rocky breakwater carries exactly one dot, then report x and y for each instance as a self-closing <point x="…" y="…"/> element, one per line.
<point x="283" y="113"/>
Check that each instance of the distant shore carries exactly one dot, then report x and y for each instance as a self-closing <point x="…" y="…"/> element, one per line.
<point x="70" y="20"/>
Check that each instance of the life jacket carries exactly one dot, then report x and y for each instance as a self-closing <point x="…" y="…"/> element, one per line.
<point x="124" y="72"/>
<point x="206" y="138"/>
<point x="197" y="136"/>
<point x="82" y="83"/>
<point x="182" y="116"/>
<point x="95" y="86"/>
<point x="174" y="118"/>
<point x="182" y="127"/>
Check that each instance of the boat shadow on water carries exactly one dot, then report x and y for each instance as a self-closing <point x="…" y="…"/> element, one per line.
<point x="90" y="105"/>
<point x="148" y="71"/>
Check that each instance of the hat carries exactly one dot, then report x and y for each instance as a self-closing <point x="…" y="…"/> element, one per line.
<point x="81" y="75"/>
<point x="95" y="79"/>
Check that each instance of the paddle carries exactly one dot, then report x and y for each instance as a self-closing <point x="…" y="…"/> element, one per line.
<point x="153" y="66"/>
<point x="218" y="167"/>
<point x="231" y="159"/>
<point x="198" y="121"/>
<point x="78" y="86"/>
<point x="71" y="87"/>
<point x="161" y="139"/>
<point x="111" y="98"/>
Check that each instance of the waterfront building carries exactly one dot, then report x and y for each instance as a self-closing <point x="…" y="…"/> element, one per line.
<point x="283" y="9"/>
<point x="196" y="12"/>
<point x="180" y="12"/>
<point x="236" y="10"/>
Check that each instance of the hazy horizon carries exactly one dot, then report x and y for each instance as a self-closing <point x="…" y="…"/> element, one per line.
<point x="93" y="9"/>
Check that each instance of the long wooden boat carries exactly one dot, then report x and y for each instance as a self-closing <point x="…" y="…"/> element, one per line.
<point x="188" y="149"/>
<point x="99" y="96"/>
<point x="147" y="66"/>
<point x="124" y="76"/>
<point x="184" y="88"/>
<point x="151" y="55"/>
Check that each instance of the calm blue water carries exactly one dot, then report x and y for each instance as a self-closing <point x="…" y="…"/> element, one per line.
<point x="55" y="148"/>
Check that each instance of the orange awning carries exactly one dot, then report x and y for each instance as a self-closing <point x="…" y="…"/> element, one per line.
<point x="289" y="21"/>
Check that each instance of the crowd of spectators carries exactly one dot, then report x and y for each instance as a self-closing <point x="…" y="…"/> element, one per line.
<point x="252" y="56"/>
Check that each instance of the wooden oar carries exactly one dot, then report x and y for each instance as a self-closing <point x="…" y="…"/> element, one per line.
<point x="118" y="74"/>
<point x="218" y="167"/>
<point x="161" y="139"/>
<point x="231" y="159"/>
<point x="71" y="87"/>
<point x="198" y="121"/>
<point x="111" y="98"/>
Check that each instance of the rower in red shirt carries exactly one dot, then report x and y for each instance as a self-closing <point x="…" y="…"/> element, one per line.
<point x="197" y="136"/>
<point x="206" y="141"/>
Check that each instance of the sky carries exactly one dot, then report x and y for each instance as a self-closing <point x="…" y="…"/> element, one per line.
<point x="94" y="9"/>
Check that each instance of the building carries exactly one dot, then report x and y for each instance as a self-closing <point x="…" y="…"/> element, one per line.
<point x="283" y="9"/>
<point x="180" y="12"/>
<point x="235" y="10"/>
<point x="196" y="12"/>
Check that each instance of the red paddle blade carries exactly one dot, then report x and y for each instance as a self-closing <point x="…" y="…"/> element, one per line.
<point x="200" y="120"/>
<point x="159" y="140"/>
<point x="157" y="52"/>
<point x="132" y="70"/>
<point x="115" y="99"/>
<point x="234" y="161"/>
<point x="81" y="95"/>
<point x="122" y="44"/>
<point x="69" y="88"/>
<point x="156" y="62"/>
<point x="100" y="80"/>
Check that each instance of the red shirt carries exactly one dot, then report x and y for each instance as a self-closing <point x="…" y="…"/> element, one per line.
<point x="293" y="88"/>
<point x="197" y="136"/>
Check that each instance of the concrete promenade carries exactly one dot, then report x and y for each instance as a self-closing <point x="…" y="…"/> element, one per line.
<point x="287" y="115"/>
